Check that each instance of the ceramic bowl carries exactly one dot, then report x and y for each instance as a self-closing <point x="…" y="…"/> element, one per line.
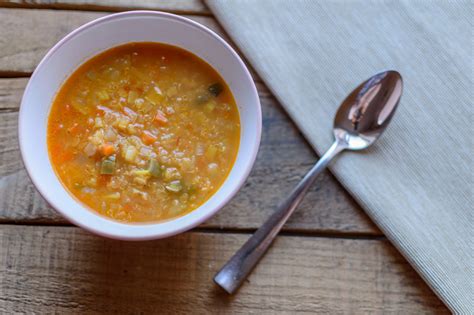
<point x="98" y="36"/>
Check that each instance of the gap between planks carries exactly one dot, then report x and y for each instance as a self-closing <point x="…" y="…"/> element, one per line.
<point x="290" y="232"/>
<point x="194" y="7"/>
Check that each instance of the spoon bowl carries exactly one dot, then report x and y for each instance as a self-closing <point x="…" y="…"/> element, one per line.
<point x="364" y="115"/>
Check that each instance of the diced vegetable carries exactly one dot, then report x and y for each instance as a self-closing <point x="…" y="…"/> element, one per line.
<point x="103" y="95"/>
<point x="130" y="154"/>
<point x="140" y="193"/>
<point x="171" y="173"/>
<point x="143" y="106"/>
<point x="160" y="117"/>
<point x="209" y="107"/>
<point x="110" y="134"/>
<point x="174" y="186"/>
<point x="130" y="113"/>
<point x="140" y="180"/>
<point x="98" y="137"/>
<point x="215" y="89"/>
<point x="202" y="98"/>
<point x="90" y="149"/>
<point x="122" y="122"/>
<point x="107" y="166"/>
<point x="144" y="173"/>
<point x="148" y="138"/>
<point x="98" y="123"/>
<point x="157" y="90"/>
<point x="147" y="152"/>
<point x="199" y="149"/>
<point x="154" y="96"/>
<point x="113" y="196"/>
<point x="107" y="149"/>
<point x="81" y="107"/>
<point x="187" y="164"/>
<point x="131" y="129"/>
<point x="154" y="168"/>
<point x="104" y="109"/>
<point x="139" y="102"/>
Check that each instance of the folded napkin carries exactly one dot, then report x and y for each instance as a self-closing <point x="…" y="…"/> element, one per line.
<point x="416" y="182"/>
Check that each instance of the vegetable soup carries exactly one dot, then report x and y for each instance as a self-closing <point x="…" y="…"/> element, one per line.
<point x="143" y="132"/>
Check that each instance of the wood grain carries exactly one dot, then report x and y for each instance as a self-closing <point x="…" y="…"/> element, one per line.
<point x="283" y="159"/>
<point x="51" y="269"/>
<point x="175" y="6"/>
<point x="28" y="34"/>
<point x="66" y="270"/>
<point x="11" y="91"/>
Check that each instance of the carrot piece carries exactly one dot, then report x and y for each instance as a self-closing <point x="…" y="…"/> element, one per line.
<point x="107" y="149"/>
<point x="160" y="117"/>
<point x="148" y="138"/>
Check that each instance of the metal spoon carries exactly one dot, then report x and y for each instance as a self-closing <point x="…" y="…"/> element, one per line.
<point x="359" y="121"/>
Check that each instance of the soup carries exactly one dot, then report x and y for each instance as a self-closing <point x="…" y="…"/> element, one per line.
<point x="143" y="132"/>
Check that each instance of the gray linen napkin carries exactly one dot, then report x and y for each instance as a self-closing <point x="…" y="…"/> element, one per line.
<point x="416" y="182"/>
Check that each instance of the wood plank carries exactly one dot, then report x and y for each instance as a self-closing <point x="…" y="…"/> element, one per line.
<point x="175" y="6"/>
<point x="28" y="34"/>
<point x="283" y="159"/>
<point x="66" y="270"/>
<point x="11" y="91"/>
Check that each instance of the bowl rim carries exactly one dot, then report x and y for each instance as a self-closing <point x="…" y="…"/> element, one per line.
<point x="130" y="235"/>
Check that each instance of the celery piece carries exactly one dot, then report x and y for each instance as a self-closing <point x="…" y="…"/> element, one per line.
<point x="154" y="168"/>
<point x="107" y="167"/>
<point x="174" y="186"/>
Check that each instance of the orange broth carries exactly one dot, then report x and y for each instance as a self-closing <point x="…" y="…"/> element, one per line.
<point x="143" y="132"/>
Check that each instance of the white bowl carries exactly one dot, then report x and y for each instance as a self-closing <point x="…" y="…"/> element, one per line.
<point x="102" y="34"/>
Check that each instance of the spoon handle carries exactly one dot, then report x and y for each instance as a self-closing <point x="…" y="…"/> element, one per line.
<point x="236" y="270"/>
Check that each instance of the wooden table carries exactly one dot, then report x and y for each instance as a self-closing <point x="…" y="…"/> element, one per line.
<point x="329" y="259"/>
